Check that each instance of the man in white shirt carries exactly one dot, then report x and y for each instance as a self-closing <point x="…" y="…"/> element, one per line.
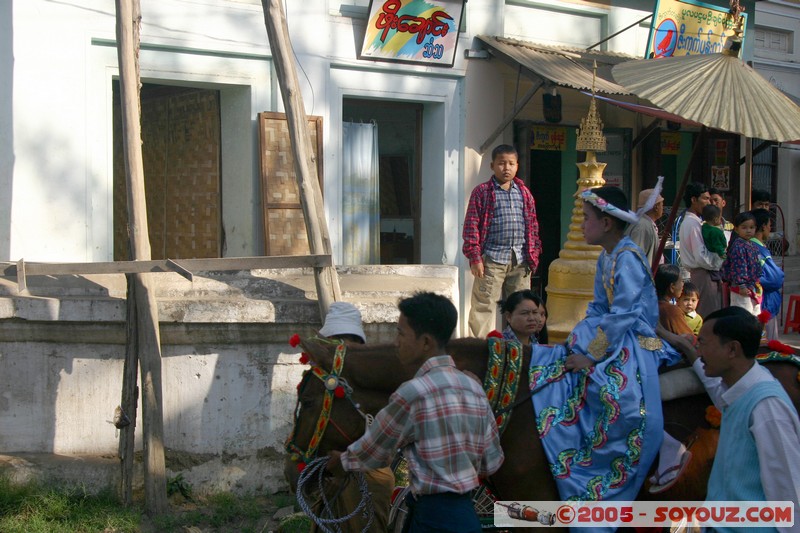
<point x="695" y="257"/>
<point x="758" y="457"/>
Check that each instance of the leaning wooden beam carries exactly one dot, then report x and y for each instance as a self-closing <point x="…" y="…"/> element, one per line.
<point x="326" y="279"/>
<point x="645" y="133"/>
<point x="511" y="116"/>
<point x="126" y="424"/>
<point x="148" y="337"/>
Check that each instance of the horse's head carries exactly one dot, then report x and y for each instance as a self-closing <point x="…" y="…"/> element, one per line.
<point x="343" y="383"/>
<point x="319" y="351"/>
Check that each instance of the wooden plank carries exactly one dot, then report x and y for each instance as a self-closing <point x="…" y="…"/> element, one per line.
<point x="163" y="265"/>
<point x="325" y="278"/>
<point x="22" y="279"/>
<point x="180" y="270"/>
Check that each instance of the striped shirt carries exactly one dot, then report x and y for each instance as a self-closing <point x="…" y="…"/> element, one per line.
<point x="506" y="235"/>
<point x="442" y="421"/>
<point x="480" y="215"/>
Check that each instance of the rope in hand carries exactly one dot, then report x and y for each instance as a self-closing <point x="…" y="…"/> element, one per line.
<point x="326" y="518"/>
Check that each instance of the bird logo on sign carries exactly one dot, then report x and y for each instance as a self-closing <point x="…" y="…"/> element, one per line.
<point x="666" y="37"/>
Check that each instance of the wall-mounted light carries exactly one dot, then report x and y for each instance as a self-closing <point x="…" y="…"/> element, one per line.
<point x="551" y="105"/>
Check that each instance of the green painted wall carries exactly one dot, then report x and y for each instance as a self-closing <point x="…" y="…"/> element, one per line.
<point x="569" y="182"/>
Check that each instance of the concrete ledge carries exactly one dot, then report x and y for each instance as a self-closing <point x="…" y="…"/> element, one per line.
<point x="257" y="296"/>
<point x="91" y="473"/>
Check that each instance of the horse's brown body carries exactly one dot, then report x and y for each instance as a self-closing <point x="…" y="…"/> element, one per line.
<point x="374" y="372"/>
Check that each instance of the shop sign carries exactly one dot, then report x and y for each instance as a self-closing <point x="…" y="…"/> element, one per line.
<point x="721" y="177"/>
<point x="688" y="27"/>
<point x="548" y="138"/>
<point x="670" y="143"/>
<point x="413" y="31"/>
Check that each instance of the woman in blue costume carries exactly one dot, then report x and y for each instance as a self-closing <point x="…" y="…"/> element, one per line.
<point x="597" y="397"/>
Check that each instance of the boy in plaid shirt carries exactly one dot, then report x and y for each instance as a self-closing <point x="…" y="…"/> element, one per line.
<point x="501" y="238"/>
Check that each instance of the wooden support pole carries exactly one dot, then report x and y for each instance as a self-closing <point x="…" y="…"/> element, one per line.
<point x="130" y="396"/>
<point x="147" y="334"/>
<point x="326" y="279"/>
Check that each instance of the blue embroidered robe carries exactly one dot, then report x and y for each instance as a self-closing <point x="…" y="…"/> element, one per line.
<point x="602" y="427"/>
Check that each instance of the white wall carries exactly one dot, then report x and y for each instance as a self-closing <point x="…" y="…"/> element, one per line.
<point x="782" y="69"/>
<point x="62" y="138"/>
<point x="228" y="374"/>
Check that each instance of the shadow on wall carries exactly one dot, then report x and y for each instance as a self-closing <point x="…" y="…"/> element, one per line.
<point x="229" y="375"/>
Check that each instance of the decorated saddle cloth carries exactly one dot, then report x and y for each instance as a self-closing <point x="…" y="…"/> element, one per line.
<point x="501" y="382"/>
<point x="602" y="427"/>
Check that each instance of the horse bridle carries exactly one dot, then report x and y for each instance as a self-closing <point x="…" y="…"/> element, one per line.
<point x="332" y="381"/>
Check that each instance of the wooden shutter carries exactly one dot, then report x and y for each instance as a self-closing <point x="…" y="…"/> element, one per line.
<point x="282" y="215"/>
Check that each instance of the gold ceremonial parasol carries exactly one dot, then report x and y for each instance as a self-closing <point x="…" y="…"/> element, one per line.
<point x="717" y="90"/>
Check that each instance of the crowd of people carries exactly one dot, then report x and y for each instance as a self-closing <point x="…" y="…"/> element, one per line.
<point x="597" y="394"/>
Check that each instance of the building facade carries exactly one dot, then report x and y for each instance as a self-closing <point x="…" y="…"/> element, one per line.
<point x="219" y="184"/>
<point x="776" y="56"/>
<point x="208" y="73"/>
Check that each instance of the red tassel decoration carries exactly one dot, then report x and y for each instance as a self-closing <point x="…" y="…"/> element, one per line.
<point x="494" y="333"/>
<point x="777" y="346"/>
<point x="294" y="341"/>
<point x="339" y="392"/>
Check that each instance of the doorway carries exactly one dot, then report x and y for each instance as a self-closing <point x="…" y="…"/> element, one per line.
<point x="181" y="150"/>
<point x="399" y="126"/>
<point x="544" y="182"/>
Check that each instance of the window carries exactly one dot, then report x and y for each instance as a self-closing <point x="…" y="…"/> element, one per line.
<point x="773" y="40"/>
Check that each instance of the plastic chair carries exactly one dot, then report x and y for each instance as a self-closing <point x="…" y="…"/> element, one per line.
<point x="792" y="314"/>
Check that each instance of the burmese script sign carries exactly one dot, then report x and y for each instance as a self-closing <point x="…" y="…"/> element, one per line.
<point x="413" y="31"/>
<point x="688" y="27"/>
<point x="548" y="138"/>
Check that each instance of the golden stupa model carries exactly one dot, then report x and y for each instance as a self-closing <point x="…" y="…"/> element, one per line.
<point x="571" y="277"/>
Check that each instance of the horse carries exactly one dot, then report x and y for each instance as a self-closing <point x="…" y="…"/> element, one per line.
<point x="373" y="372"/>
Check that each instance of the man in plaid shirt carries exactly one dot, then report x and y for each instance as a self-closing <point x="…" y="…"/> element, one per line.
<point x="440" y="419"/>
<point x="501" y="239"/>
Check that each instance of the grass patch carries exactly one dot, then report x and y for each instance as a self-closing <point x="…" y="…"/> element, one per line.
<point x="33" y="508"/>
